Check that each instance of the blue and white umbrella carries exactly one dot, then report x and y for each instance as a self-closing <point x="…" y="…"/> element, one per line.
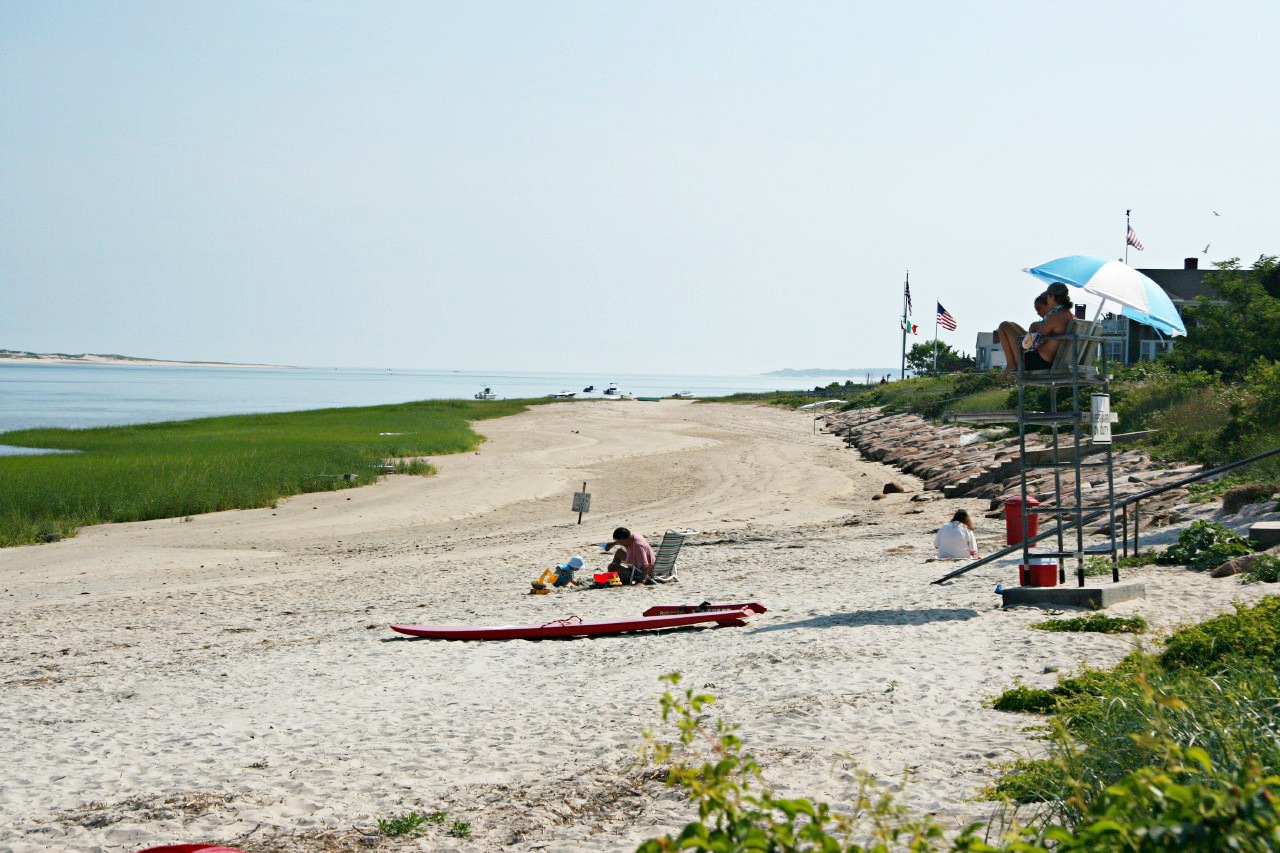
<point x="1140" y="298"/>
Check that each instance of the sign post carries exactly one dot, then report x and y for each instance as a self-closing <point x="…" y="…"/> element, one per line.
<point x="581" y="501"/>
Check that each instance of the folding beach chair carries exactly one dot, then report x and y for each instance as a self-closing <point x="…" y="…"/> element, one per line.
<point x="664" y="561"/>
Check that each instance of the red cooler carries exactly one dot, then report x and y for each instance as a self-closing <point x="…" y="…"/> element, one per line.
<point x="1041" y="571"/>
<point x="1013" y="520"/>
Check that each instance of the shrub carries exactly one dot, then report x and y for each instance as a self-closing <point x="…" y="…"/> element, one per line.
<point x="1205" y="545"/>
<point x="1032" y="700"/>
<point x="1266" y="569"/>
<point x="1250" y="632"/>
<point x="1097" y="623"/>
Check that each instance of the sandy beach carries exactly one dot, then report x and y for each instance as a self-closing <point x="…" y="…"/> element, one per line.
<point x="231" y="677"/>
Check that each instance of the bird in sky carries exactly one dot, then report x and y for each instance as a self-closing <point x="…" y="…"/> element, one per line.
<point x="1206" y="248"/>
<point x="1216" y="213"/>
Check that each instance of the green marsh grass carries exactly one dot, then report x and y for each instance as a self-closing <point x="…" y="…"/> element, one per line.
<point x="181" y="468"/>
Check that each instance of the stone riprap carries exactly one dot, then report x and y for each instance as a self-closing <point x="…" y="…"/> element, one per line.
<point x="964" y="463"/>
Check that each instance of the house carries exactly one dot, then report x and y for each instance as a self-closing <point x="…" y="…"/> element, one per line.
<point x="1134" y="342"/>
<point x="987" y="352"/>
<point x="1129" y="342"/>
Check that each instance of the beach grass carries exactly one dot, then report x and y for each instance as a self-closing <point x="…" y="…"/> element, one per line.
<point x="182" y="468"/>
<point x="1220" y="679"/>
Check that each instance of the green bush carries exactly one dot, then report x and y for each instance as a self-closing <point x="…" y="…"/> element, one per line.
<point x="1266" y="569"/>
<point x="1205" y="545"/>
<point x="1097" y="623"/>
<point x="1250" y="632"/>
<point x="1031" y="700"/>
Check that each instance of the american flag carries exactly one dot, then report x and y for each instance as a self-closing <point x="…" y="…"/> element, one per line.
<point x="945" y="320"/>
<point x="906" y="291"/>
<point x="1132" y="239"/>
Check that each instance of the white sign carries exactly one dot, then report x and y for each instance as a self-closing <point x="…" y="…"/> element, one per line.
<point x="1102" y="418"/>
<point x="581" y="502"/>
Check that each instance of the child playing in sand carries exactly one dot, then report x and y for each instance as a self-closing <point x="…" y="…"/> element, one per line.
<point x="564" y="572"/>
<point x="955" y="539"/>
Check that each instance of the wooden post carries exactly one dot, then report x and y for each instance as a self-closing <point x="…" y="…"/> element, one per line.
<point x="584" y="488"/>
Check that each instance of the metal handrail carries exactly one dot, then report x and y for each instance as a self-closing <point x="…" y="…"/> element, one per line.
<point x="1085" y="519"/>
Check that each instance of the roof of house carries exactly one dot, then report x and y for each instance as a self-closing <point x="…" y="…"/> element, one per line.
<point x="1182" y="285"/>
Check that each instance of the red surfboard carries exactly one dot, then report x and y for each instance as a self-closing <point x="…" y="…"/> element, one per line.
<point x="704" y="607"/>
<point x="191" y="848"/>
<point x="573" y="626"/>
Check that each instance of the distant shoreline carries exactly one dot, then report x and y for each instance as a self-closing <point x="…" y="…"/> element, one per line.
<point x="789" y="372"/>
<point x="22" y="357"/>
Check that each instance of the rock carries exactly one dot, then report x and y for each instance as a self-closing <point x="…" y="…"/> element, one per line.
<point x="1267" y="534"/>
<point x="1240" y="565"/>
<point x="49" y="537"/>
<point x="1238" y="497"/>
<point x="878" y="496"/>
<point x="892" y="488"/>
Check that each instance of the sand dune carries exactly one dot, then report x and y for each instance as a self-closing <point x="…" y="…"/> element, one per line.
<point x="231" y="677"/>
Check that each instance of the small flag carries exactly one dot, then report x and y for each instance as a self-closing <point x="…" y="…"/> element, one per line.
<point x="1132" y="239"/>
<point x="906" y="291"/>
<point x="945" y="320"/>
<point x="911" y="327"/>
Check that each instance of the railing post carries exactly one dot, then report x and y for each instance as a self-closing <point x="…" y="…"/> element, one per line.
<point x="1137" y="524"/>
<point x="1124" y="515"/>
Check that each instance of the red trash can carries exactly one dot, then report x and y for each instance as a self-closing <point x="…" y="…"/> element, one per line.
<point x="1013" y="520"/>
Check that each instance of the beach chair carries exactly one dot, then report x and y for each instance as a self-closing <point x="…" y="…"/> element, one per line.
<point x="1075" y="357"/>
<point x="664" y="560"/>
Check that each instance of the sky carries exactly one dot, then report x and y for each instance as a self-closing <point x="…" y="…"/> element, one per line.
<point x="686" y="187"/>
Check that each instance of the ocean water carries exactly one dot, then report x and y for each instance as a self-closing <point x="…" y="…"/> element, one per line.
<point x="90" y="395"/>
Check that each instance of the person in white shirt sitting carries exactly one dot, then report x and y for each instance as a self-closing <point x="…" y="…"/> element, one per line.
<point x="955" y="539"/>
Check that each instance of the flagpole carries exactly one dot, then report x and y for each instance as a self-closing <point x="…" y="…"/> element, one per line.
<point x="907" y="284"/>
<point x="1126" y="237"/>
<point x="935" y="342"/>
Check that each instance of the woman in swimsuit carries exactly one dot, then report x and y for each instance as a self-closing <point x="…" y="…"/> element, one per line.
<point x="1038" y="346"/>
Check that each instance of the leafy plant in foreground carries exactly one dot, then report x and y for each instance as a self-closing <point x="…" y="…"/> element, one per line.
<point x="1205" y="545"/>
<point x="735" y="810"/>
<point x="1175" y="798"/>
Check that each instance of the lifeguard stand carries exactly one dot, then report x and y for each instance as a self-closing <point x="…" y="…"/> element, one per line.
<point x="1080" y="441"/>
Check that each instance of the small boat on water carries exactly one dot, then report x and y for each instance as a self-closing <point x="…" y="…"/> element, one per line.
<point x="612" y="390"/>
<point x="682" y="395"/>
<point x="650" y="399"/>
<point x="563" y="395"/>
<point x="588" y="389"/>
<point x="486" y="394"/>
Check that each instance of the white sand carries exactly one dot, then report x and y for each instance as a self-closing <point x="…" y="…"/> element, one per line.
<point x="232" y="679"/>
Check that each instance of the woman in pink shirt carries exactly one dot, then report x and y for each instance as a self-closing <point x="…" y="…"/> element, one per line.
<point x="633" y="561"/>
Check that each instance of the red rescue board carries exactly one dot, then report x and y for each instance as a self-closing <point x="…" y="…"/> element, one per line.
<point x="704" y="607"/>
<point x="573" y="626"/>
